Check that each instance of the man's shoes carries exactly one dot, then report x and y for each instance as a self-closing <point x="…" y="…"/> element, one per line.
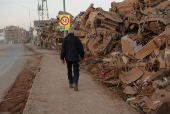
<point x="70" y="86"/>
<point x="75" y="87"/>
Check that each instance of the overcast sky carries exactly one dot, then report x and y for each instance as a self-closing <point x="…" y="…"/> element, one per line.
<point x="11" y="12"/>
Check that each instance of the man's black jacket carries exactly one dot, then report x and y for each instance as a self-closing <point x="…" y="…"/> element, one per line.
<point x="72" y="48"/>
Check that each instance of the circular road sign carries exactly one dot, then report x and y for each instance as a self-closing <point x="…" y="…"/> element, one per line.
<point x="64" y="20"/>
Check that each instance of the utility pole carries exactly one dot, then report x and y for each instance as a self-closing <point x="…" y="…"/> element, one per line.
<point x="30" y="33"/>
<point x="44" y="10"/>
<point x="29" y="14"/>
<point x="39" y="8"/>
<point x="65" y="32"/>
<point x="47" y="10"/>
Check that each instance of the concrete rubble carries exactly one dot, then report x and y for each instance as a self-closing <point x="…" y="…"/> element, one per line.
<point x="127" y="48"/>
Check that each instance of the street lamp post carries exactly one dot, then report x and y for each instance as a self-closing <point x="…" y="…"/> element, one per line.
<point x="30" y="20"/>
<point x="23" y="23"/>
<point x="65" y="32"/>
<point x="39" y="8"/>
<point x="29" y="14"/>
<point x="25" y="30"/>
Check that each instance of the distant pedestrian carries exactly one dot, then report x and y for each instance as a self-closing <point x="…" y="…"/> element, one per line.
<point x="70" y="51"/>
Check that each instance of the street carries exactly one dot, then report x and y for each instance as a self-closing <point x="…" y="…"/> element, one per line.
<point x="12" y="61"/>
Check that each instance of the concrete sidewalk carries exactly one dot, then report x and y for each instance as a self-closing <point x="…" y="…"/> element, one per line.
<point x="50" y="93"/>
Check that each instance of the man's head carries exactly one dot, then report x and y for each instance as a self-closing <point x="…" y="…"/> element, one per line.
<point x="71" y="30"/>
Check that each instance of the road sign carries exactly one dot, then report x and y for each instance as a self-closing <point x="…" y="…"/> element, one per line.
<point x="64" y="22"/>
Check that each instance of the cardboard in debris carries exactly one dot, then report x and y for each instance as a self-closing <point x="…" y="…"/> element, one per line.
<point x="129" y="46"/>
<point x="125" y="59"/>
<point x="164" y="108"/>
<point x="149" y="47"/>
<point x="146" y="74"/>
<point x="129" y="90"/>
<point x="131" y="76"/>
<point x="161" y="60"/>
<point x="157" y="99"/>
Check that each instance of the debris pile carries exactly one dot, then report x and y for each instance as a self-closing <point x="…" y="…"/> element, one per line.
<point x="101" y="30"/>
<point x="127" y="48"/>
<point x="141" y="72"/>
<point x="51" y="36"/>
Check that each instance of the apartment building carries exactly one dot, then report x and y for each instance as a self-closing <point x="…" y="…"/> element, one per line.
<point x="2" y="34"/>
<point x="15" y="34"/>
<point x="12" y="34"/>
<point x="31" y="29"/>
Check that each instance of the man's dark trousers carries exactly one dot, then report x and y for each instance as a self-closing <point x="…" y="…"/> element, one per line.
<point x="76" y="69"/>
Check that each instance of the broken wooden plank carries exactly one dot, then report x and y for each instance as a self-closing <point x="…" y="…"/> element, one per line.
<point x="113" y="82"/>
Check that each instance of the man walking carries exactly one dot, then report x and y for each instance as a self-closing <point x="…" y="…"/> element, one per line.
<point x="70" y="51"/>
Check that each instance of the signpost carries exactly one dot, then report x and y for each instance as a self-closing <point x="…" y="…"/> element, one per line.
<point x="64" y="9"/>
<point x="64" y="22"/>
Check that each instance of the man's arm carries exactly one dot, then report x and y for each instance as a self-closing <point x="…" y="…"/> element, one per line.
<point x="81" y="50"/>
<point x="63" y="50"/>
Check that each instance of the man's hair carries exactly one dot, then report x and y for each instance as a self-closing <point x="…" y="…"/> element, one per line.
<point x="71" y="30"/>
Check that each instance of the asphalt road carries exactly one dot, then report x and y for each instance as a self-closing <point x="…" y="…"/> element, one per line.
<point x="12" y="60"/>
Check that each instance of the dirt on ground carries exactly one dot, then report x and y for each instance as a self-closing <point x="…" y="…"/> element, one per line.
<point x="15" y="99"/>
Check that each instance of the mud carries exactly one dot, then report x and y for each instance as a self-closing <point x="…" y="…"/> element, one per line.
<point x="15" y="99"/>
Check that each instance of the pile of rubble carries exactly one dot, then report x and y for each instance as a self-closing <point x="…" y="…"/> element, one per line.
<point x="142" y="73"/>
<point x="127" y="48"/>
<point x="51" y="36"/>
<point x="101" y="30"/>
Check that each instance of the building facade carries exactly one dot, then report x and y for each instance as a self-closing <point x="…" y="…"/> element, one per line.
<point x="42" y="23"/>
<point x="27" y="34"/>
<point x="15" y="34"/>
<point x="2" y="34"/>
<point x="31" y="29"/>
<point x="24" y="34"/>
